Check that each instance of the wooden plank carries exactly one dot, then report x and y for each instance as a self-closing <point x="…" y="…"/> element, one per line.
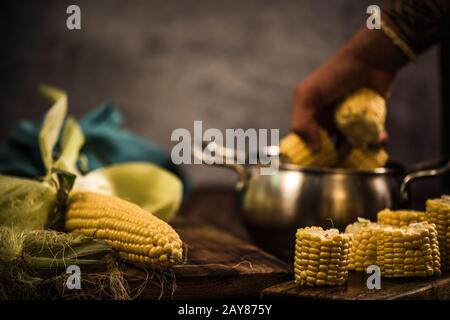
<point x="356" y="289"/>
<point x="218" y="265"/>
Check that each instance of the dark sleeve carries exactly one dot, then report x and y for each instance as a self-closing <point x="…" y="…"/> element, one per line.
<point x="418" y="23"/>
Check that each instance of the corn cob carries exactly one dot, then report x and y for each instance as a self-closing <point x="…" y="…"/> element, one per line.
<point x="321" y="257"/>
<point x="139" y="236"/>
<point x="361" y="158"/>
<point x="297" y="151"/>
<point x="410" y="251"/>
<point x="361" y="117"/>
<point x="438" y="212"/>
<point x="400" y="218"/>
<point x="363" y="252"/>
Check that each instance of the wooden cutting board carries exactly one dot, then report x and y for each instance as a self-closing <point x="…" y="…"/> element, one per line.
<point x="356" y="289"/>
<point x="218" y="265"/>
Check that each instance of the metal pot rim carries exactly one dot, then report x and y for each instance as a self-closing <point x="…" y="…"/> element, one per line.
<point x="390" y="169"/>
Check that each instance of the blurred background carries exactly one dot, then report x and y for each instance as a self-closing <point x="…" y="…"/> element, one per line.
<point x="232" y="64"/>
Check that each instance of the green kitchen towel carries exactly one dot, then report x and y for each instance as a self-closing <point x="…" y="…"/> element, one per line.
<point x="106" y="143"/>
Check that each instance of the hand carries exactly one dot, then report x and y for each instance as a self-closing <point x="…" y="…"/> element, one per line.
<point x="368" y="60"/>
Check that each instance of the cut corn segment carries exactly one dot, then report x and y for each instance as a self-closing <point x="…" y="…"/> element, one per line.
<point x="361" y="117"/>
<point x="400" y="218"/>
<point x="411" y="247"/>
<point x="321" y="257"/>
<point x="139" y="236"/>
<point x="364" y="245"/>
<point x="408" y="251"/>
<point x="298" y="152"/>
<point x="438" y="212"/>
<point x="362" y="158"/>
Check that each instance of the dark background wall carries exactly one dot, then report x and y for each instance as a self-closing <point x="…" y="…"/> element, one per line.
<point x="167" y="63"/>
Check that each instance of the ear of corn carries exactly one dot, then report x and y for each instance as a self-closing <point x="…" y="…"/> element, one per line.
<point x="438" y="212"/>
<point x="139" y="236"/>
<point x="410" y="251"/>
<point x="361" y="117"/>
<point x="400" y="218"/>
<point x="361" y="158"/>
<point x="321" y="257"/>
<point x="298" y="152"/>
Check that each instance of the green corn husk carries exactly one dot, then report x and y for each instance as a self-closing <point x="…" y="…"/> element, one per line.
<point x="53" y="121"/>
<point x="72" y="140"/>
<point x="25" y="203"/>
<point x="33" y="263"/>
<point x="149" y="186"/>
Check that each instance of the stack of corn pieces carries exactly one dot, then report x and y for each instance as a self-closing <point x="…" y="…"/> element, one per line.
<point x="321" y="257"/>
<point x="296" y="151"/>
<point x="399" y="218"/>
<point x="411" y="251"/>
<point x="363" y="252"/>
<point x="365" y="159"/>
<point x="408" y="251"/>
<point x="139" y="236"/>
<point x="438" y="212"/>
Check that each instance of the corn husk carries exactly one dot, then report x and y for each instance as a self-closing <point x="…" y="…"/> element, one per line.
<point x="149" y="186"/>
<point x="34" y="262"/>
<point x="53" y="121"/>
<point x="25" y="203"/>
<point x="72" y="140"/>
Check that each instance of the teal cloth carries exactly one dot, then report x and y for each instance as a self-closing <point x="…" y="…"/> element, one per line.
<point x="106" y="143"/>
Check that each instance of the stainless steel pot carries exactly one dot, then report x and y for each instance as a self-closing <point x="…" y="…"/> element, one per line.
<point x="274" y="206"/>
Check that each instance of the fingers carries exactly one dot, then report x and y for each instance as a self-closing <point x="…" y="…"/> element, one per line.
<point x="304" y="121"/>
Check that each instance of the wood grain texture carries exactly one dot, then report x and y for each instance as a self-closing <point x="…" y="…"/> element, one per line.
<point x="356" y="289"/>
<point x="218" y="265"/>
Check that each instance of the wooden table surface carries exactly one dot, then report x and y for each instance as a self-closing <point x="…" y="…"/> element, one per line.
<point x="218" y="265"/>
<point x="356" y="289"/>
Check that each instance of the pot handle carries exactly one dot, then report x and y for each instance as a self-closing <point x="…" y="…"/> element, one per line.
<point x="421" y="174"/>
<point x="228" y="161"/>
